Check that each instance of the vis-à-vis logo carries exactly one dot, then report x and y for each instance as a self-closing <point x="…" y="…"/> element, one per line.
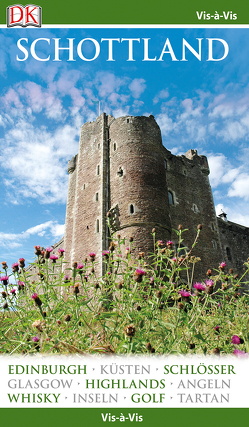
<point x="29" y="15"/>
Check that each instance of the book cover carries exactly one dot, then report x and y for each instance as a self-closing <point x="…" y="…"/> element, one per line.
<point x="124" y="113"/>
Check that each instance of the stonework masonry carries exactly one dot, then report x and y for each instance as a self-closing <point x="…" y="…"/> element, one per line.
<point x="123" y="168"/>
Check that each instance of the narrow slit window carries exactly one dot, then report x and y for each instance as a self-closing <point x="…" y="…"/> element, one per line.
<point x="171" y="199"/>
<point x="98" y="170"/>
<point x="97" y="197"/>
<point x="114" y="146"/>
<point x="97" y="226"/>
<point x="131" y="209"/>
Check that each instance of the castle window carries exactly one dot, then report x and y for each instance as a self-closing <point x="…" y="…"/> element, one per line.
<point x="98" y="145"/>
<point x="84" y="186"/>
<point x="171" y="198"/>
<point x="97" y="197"/>
<point x="120" y="171"/>
<point x="98" y="170"/>
<point x="228" y="252"/>
<point x="114" y="146"/>
<point x="97" y="226"/>
<point x="132" y="210"/>
<point x="127" y="120"/>
<point x="165" y="164"/>
<point x="214" y="243"/>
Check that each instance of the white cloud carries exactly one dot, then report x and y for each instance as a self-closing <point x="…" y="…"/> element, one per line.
<point x="240" y="187"/>
<point x="161" y="95"/>
<point x="15" y="240"/>
<point x="137" y="87"/>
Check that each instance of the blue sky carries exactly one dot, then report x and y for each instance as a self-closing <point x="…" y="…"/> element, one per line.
<point x="202" y="105"/>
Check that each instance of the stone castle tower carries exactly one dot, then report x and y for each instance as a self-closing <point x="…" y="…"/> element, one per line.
<point x="123" y="168"/>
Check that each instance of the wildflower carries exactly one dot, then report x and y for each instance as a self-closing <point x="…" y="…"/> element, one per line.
<point x="47" y="252"/>
<point x="174" y="259"/>
<point x="106" y="254"/>
<point x="5" y="306"/>
<point x="152" y="282"/>
<point x="160" y="243"/>
<point x="67" y="318"/>
<point x="4" y="279"/>
<point x="74" y="265"/>
<point x="4" y="265"/>
<point x="159" y="294"/>
<point x="152" y="350"/>
<point x="185" y="295"/>
<point x="235" y="339"/>
<point x="38" y="325"/>
<point x="209" y="272"/>
<point x="15" y="267"/>
<point x="53" y="258"/>
<point x="13" y="291"/>
<point x="139" y="308"/>
<point x="76" y="289"/>
<point x="37" y="300"/>
<point x="37" y="250"/>
<point x="216" y="351"/>
<point x="240" y="353"/>
<point x="180" y="227"/>
<point x="148" y="346"/>
<point x="66" y="279"/>
<point x="130" y="331"/>
<point x="222" y="266"/>
<point x="235" y="276"/>
<point x="35" y="339"/>
<point x="131" y="239"/>
<point x="61" y="252"/>
<point x="139" y="273"/>
<point x="169" y="244"/>
<point x="199" y="286"/>
<point x="209" y="286"/>
<point x="96" y="285"/>
<point x="191" y="346"/>
<point x="22" y="262"/>
<point x="153" y="230"/>
<point x="217" y="329"/>
<point x="92" y="256"/>
<point x="141" y="255"/>
<point x="230" y="271"/>
<point x="180" y="305"/>
<point x="199" y="226"/>
<point x="4" y="294"/>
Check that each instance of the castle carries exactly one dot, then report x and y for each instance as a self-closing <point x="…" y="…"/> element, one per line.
<point x="123" y="168"/>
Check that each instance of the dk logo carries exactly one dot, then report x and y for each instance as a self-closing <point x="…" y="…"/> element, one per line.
<point x="24" y="16"/>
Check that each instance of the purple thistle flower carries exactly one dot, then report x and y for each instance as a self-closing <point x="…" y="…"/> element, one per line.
<point x="184" y="293"/>
<point x="209" y="282"/>
<point x="222" y="265"/>
<point x="15" y="267"/>
<point x="61" y="252"/>
<point x="139" y="272"/>
<point x="53" y="258"/>
<point x="13" y="291"/>
<point x="106" y="254"/>
<point x="217" y="328"/>
<point x="92" y="255"/>
<point x="49" y="249"/>
<point x="174" y="259"/>
<point x="80" y="266"/>
<point x="235" y="339"/>
<point x="199" y="286"/>
<point x="35" y="295"/>
<point x="169" y="243"/>
<point x="35" y="339"/>
<point x="4" y="278"/>
<point x="240" y="353"/>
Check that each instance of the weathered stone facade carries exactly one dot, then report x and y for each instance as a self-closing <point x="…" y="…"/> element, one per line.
<point x="123" y="168"/>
